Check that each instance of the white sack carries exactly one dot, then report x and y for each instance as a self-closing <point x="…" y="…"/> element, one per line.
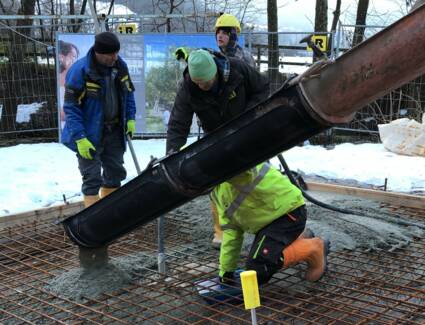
<point x="404" y="136"/>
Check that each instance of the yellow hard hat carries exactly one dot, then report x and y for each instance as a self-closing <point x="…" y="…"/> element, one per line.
<point x="227" y="20"/>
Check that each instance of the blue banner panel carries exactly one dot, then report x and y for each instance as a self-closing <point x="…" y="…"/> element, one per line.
<point x="163" y="74"/>
<point x="153" y="68"/>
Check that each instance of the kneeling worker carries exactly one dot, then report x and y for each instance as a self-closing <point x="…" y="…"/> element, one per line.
<point x="264" y="202"/>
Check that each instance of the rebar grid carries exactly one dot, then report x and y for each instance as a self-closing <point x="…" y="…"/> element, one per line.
<point x="358" y="288"/>
<point x="413" y="213"/>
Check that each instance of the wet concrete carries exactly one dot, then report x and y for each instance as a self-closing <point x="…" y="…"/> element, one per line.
<point x="374" y="230"/>
<point x="93" y="258"/>
<point x="371" y="228"/>
<point x="81" y="283"/>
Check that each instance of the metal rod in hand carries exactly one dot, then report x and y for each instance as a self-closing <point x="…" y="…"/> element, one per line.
<point x="161" y="250"/>
<point x="160" y="224"/>
<point x="133" y="154"/>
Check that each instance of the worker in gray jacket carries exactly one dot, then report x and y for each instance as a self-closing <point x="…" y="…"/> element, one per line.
<point x="227" y="28"/>
<point x="216" y="88"/>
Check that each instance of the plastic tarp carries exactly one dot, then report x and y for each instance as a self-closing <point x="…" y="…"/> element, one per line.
<point x="404" y="136"/>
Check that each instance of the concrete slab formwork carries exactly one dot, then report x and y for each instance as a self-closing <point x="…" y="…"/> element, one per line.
<point x="359" y="287"/>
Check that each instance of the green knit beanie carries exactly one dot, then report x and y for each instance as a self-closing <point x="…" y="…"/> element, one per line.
<point x="201" y="65"/>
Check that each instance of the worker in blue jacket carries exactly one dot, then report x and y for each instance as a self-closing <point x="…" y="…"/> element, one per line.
<point x="99" y="110"/>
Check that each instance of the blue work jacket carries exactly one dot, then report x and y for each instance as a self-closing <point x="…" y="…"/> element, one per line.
<point x="84" y="101"/>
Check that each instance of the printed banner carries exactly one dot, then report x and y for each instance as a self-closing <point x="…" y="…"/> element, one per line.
<point x="72" y="47"/>
<point x="153" y="68"/>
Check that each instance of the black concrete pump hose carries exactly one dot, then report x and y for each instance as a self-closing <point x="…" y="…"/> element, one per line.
<point x="337" y="209"/>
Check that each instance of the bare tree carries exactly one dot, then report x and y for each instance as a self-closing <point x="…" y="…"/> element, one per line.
<point x="7" y="7"/>
<point x="172" y="8"/>
<point x="414" y="4"/>
<point x="203" y="13"/>
<point x="167" y="7"/>
<point x="82" y="12"/>
<point x="360" y="21"/>
<point x="273" y="42"/>
<point x="321" y="18"/>
<point x="336" y="13"/>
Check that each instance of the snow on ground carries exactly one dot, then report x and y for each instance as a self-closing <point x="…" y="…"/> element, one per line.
<point x="365" y="163"/>
<point x="40" y="175"/>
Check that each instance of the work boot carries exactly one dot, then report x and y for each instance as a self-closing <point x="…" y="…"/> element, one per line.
<point x="218" y="233"/>
<point x="313" y="251"/>
<point x="317" y="262"/>
<point x="90" y="199"/>
<point x="104" y="191"/>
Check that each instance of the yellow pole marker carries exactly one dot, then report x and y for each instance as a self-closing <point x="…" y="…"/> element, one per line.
<point x="251" y="296"/>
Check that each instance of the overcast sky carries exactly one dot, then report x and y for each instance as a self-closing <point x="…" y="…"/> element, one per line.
<point x="299" y="14"/>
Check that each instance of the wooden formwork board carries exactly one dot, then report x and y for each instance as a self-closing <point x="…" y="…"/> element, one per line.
<point x="56" y="212"/>
<point x="395" y="198"/>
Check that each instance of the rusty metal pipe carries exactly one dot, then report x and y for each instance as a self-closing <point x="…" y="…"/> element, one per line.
<point x="386" y="61"/>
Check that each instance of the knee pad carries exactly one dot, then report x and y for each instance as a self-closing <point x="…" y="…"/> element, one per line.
<point x="265" y="258"/>
<point x="264" y="271"/>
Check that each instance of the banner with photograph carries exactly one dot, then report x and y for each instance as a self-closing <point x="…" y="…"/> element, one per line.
<point x="72" y="47"/>
<point x="153" y="68"/>
<point x="163" y="74"/>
